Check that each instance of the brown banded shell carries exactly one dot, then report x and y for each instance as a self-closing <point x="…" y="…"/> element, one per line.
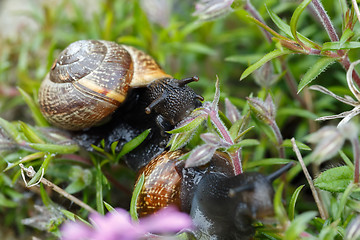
<point x="90" y="79"/>
<point x="161" y="184"/>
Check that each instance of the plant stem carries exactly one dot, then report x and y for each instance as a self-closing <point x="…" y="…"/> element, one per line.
<point x="279" y="139"/>
<point x="235" y="156"/>
<point x="325" y="20"/>
<point x="250" y="8"/>
<point x="319" y="204"/>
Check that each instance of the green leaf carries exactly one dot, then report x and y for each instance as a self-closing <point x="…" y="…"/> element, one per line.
<point x="287" y="143"/>
<point x="292" y="203"/>
<point x="346" y="36"/>
<point x="286" y="29"/>
<point x="343" y="200"/>
<point x="328" y="46"/>
<point x="132" y="144"/>
<point x="41" y="170"/>
<point x="68" y="214"/>
<point x="295" y="18"/>
<point x="30" y="133"/>
<point x="73" y="217"/>
<point x="243" y="143"/>
<point x="335" y="179"/>
<point x="197" y="47"/>
<point x="278" y="205"/>
<point x="298" y="225"/>
<point x="178" y="140"/>
<point x="296" y="112"/>
<point x="314" y="71"/>
<point x="274" y="54"/>
<point x="54" y="148"/>
<point x="99" y="190"/>
<point x="44" y="196"/>
<point x="109" y="207"/>
<point x="37" y="115"/>
<point x="75" y="186"/>
<point x="191" y="125"/>
<point x="10" y="129"/>
<point x="267" y="162"/>
<point x="25" y="159"/>
<point x="135" y="195"/>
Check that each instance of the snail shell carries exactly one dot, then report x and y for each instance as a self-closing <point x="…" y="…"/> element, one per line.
<point x="90" y="79"/>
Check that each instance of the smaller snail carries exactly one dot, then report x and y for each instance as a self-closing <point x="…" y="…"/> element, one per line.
<point x="90" y="79"/>
<point x="222" y="206"/>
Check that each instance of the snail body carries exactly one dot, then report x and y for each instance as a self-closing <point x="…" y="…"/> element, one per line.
<point x="91" y="78"/>
<point x="222" y="206"/>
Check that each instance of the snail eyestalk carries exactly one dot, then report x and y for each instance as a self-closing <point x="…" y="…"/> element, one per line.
<point x="185" y="81"/>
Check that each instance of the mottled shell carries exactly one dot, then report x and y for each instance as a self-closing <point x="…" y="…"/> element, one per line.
<point x="90" y="79"/>
<point x="161" y="184"/>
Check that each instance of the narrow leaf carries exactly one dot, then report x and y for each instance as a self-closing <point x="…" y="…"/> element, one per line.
<point x="38" y="117"/>
<point x="54" y="148"/>
<point x="133" y="143"/>
<point x="287" y="143"/>
<point x="346" y="36"/>
<point x="109" y="207"/>
<point x="189" y="124"/>
<point x="274" y="54"/>
<point x="286" y="28"/>
<point x="314" y="71"/>
<point x="179" y="140"/>
<point x="244" y="143"/>
<point x="30" y="133"/>
<point x="41" y="170"/>
<point x="99" y="190"/>
<point x="10" y="129"/>
<point x="295" y="18"/>
<point x="328" y="46"/>
<point x="292" y="203"/>
<point x="134" y="198"/>
<point x="267" y="162"/>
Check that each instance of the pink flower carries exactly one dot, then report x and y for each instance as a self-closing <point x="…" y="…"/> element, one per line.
<point x="118" y="225"/>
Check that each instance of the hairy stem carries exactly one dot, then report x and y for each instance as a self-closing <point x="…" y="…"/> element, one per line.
<point x="325" y="20"/>
<point x="250" y="8"/>
<point x="279" y="139"/>
<point x="235" y="156"/>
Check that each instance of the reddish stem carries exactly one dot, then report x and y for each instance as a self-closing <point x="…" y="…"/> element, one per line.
<point x="235" y="156"/>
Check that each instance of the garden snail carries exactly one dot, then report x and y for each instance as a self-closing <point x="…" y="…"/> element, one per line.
<point x="91" y="78"/>
<point x="222" y="205"/>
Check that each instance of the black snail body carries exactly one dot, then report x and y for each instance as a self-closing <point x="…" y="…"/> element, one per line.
<point x="93" y="82"/>
<point x="222" y="206"/>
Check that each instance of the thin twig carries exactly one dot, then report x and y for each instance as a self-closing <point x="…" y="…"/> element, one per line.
<point x="319" y="204"/>
<point x="30" y="172"/>
<point x="250" y="8"/>
<point x="356" y="7"/>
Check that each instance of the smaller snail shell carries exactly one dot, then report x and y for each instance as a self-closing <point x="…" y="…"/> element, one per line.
<point x="161" y="185"/>
<point x="90" y="79"/>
